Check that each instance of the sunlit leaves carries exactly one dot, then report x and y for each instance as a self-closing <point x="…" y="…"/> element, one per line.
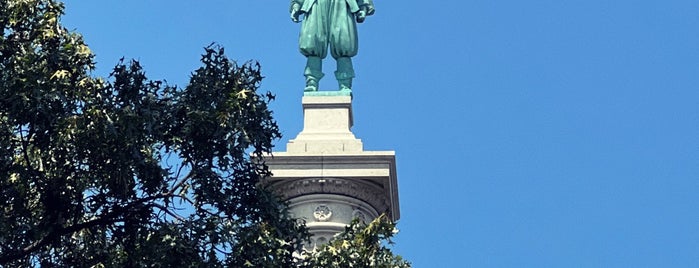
<point x="60" y="74"/>
<point x="359" y="245"/>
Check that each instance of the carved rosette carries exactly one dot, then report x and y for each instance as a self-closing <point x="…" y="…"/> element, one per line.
<point x="322" y="213"/>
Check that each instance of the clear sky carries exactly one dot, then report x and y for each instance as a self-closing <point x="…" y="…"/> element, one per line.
<point x="546" y="133"/>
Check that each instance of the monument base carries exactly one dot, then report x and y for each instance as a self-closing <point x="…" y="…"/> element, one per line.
<point x="328" y="93"/>
<point x="326" y="126"/>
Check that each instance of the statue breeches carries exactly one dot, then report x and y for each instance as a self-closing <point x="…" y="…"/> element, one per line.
<point x="329" y="23"/>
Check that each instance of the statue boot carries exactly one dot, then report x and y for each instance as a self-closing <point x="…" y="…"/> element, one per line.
<point x="313" y="73"/>
<point x="344" y="73"/>
<point x="311" y="83"/>
<point x="344" y="80"/>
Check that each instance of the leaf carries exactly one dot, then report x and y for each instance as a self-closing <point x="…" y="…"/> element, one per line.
<point x="60" y="74"/>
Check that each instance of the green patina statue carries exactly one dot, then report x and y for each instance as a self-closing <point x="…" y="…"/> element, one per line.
<point x="329" y="23"/>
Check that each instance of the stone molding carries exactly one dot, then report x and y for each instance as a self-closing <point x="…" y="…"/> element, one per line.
<point x="371" y="194"/>
<point x="373" y="169"/>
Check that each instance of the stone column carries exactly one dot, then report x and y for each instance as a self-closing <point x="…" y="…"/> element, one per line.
<point x="327" y="176"/>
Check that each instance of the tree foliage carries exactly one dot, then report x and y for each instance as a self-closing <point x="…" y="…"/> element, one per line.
<point x="132" y="172"/>
<point x="359" y="245"/>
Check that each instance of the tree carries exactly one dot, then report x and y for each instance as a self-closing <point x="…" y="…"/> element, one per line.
<point x="127" y="171"/>
<point x="130" y="171"/>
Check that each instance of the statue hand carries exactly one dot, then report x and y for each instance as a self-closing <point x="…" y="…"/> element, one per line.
<point x="296" y="12"/>
<point x="361" y="15"/>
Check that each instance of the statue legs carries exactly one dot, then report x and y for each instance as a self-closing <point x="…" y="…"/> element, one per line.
<point x="329" y="23"/>
<point x="313" y="72"/>
<point x="344" y="73"/>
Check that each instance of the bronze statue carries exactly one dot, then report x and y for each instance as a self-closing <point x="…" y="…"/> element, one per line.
<point x="329" y="23"/>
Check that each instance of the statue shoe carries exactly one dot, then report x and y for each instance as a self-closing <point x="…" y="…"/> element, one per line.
<point x="345" y="84"/>
<point x="311" y="84"/>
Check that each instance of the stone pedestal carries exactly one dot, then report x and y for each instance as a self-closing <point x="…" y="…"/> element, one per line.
<point x="327" y="121"/>
<point x="327" y="176"/>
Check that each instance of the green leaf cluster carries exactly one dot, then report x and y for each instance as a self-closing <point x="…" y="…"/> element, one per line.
<point x="360" y="245"/>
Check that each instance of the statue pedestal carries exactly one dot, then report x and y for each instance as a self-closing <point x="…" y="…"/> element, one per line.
<point x="326" y="175"/>
<point x="326" y="126"/>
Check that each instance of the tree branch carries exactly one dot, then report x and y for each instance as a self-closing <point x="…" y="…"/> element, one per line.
<point x="116" y="215"/>
<point x="25" y="145"/>
<point x="181" y="182"/>
<point x="167" y="211"/>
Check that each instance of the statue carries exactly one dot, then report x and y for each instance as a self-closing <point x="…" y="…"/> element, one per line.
<point x="329" y="23"/>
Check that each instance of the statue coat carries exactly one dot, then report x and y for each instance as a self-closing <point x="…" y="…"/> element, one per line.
<point x="330" y="23"/>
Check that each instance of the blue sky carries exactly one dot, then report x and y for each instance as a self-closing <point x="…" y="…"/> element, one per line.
<point x="549" y="133"/>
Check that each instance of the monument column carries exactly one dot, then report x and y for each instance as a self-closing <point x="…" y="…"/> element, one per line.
<point x="327" y="176"/>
